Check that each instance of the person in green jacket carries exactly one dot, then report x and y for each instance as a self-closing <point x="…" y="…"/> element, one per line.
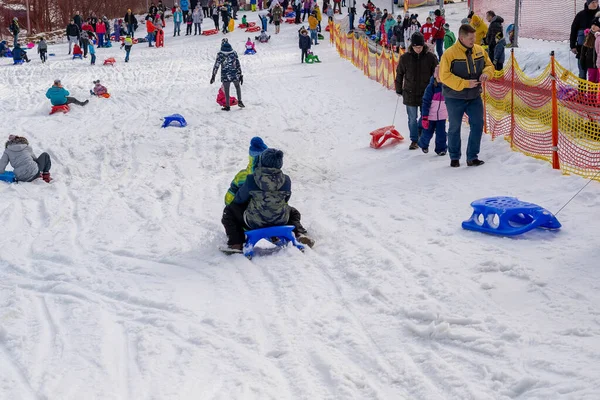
<point x="257" y="146"/>
<point x="449" y="38"/>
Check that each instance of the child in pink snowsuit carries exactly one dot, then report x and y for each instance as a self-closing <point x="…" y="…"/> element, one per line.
<point x="434" y="117"/>
<point x="250" y="45"/>
<point x="99" y="90"/>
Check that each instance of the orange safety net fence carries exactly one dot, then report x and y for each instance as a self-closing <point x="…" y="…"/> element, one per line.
<point x="554" y="116"/>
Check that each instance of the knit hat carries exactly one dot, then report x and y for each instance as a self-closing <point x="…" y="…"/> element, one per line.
<point x="272" y="158"/>
<point x="464" y="21"/>
<point x="596" y="22"/>
<point x="437" y="12"/>
<point x="257" y="146"/>
<point x="226" y="47"/>
<point x="417" y="39"/>
<point x="446" y="26"/>
<point x="589" y="1"/>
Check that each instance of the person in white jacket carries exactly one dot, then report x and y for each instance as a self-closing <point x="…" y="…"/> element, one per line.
<point x="27" y="167"/>
<point x="198" y="18"/>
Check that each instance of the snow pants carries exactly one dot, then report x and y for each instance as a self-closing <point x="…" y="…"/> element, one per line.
<point x="73" y="100"/>
<point x="238" y="90"/>
<point x="44" y="164"/>
<point x="439" y="128"/>
<point x="233" y="222"/>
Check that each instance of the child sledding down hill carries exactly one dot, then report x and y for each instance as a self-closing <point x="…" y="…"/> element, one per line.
<point x="263" y="37"/>
<point x="27" y="167"/>
<point x="99" y="90"/>
<point x="250" y="49"/>
<point x="258" y="197"/>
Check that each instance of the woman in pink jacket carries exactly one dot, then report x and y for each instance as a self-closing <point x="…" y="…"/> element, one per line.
<point x="100" y="32"/>
<point x="434" y="117"/>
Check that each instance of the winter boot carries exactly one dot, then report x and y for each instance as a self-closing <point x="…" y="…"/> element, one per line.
<point x="455" y="163"/>
<point x="425" y="150"/>
<point x="226" y="108"/>
<point x="475" y="163"/>
<point x="306" y="240"/>
<point x="240" y="104"/>
<point x="46" y="177"/>
<point x="413" y="146"/>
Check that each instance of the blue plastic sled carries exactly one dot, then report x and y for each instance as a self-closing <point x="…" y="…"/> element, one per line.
<point x="79" y="56"/>
<point x="514" y="217"/>
<point x="8" y="176"/>
<point x="8" y="53"/>
<point x="174" y="118"/>
<point x="250" y="52"/>
<point x="18" y="62"/>
<point x="278" y="235"/>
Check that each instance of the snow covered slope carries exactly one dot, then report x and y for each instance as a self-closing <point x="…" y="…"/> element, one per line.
<point x="112" y="287"/>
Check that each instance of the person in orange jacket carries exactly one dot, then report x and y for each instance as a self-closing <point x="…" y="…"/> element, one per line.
<point x="150" y="28"/>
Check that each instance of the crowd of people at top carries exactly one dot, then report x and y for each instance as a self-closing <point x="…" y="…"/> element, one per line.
<point x="584" y="41"/>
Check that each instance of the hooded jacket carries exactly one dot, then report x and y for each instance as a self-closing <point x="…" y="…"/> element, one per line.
<point x="438" y="27"/>
<point x="481" y="29"/>
<point x="57" y="95"/>
<point x="494" y="28"/>
<point x="240" y="178"/>
<point x="304" y="42"/>
<point x="459" y="65"/>
<point x="267" y="192"/>
<point x="413" y="74"/>
<point x="499" y="51"/>
<point x="197" y="16"/>
<point x="434" y="105"/>
<point x="581" y="22"/>
<point x="42" y="46"/>
<point x="21" y="157"/>
<point x="228" y="60"/>
<point x="73" y="30"/>
<point x="449" y="39"/>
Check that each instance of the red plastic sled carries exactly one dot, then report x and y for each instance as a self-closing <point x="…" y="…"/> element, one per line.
<point x="248" y="25"/>
<point x="209" y="32"/>
<point x="160" y="38"/>
<point x="327" y="29"/>
<point x="253" y="29"/>
<point x="63" y="109"/>
<point x="110" y="61"/>
<point x="382" y="135"/>
<point x="290" y="20"/>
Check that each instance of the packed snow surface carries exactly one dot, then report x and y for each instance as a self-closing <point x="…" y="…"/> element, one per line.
<point x="112" y="286"/>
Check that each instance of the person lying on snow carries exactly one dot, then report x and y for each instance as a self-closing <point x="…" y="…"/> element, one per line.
<point x="263" y="37"/>
<point x="27" y="167"/>
<point x="258" y="198"/>
<point x="58" y="95"/>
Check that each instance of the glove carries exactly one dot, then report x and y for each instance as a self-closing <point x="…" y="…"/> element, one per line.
<point x="399" y="92"/>
<point x="425" y="122"/>
<point x="241" y="79"/>
<point x="212" y="80"/>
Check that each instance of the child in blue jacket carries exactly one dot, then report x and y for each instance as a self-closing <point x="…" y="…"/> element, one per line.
<point x="304" y="43"/>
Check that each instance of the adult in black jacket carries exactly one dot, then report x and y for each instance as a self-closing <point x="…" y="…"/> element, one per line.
<point x="583" y="20"/>
<point x="131" y="22"/>
<point x="495" y="27"/>
<point x="78" y="19"/>
<point x="398" y="31"/>
<point x="72" y="34"/>
<point x="153" y="10"/>
<point x="414" y="71"/>
<point x="14" y="29"/>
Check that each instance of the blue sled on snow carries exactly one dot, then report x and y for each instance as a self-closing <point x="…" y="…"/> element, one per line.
<point x="280" y="236"/>
<point x="174" y="118"/>
<point x="514" y="217"/>
<point x="8" y="176"/>
<point x="250" y="52"/>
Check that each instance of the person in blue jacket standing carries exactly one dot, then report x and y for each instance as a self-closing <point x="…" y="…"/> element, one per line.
<point x="177" y="20"/>
<point x="59" y="96"/>
<point x="185" y="7"/>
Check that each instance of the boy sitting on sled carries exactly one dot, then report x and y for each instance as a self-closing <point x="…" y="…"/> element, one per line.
<point x="263" y="37"/>
<point x="258" y="198"/>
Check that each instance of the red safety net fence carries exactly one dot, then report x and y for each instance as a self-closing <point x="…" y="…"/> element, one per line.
<point x="538" y="19"/>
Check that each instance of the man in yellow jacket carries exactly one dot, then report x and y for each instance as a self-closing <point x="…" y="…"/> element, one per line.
<point x="463" y="68"/>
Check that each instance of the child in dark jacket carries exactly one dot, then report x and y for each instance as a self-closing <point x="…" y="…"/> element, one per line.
<point x="189" y="22"/>
<point x="499" y="52"/>
<point x="261" y="199"/>
<point x="19" y="54"/>
<point x="434" y="115"/>
<point x="27" y="167"/>
<point x="304" y="43"/>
